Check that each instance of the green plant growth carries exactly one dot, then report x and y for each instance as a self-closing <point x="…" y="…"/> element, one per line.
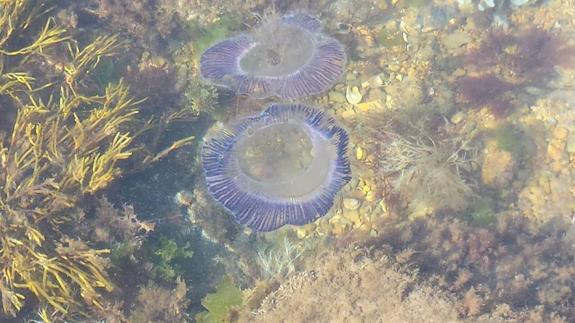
<point x="120" y="253"/>
<point x="106" y="72"/>
<point x="388" y="39"/>
<point x="168" y="257"/>
<point x="219" y="304"/>
<point x="510" y="138"/>
<point x="205" y="36"/>
<point x="481" y="212"/>
<point x="200" y="97"/>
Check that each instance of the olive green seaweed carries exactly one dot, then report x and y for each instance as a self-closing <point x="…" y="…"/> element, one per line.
<point x="219" y="304"/>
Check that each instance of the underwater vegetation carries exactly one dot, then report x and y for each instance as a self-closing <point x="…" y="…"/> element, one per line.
<point x="167" y="255"/>
<point x="526" y="57"/>
<point x="488" y="268"/>
<point x="485" y="90"/>
<point x="60" y="147"/>
<point x="287" y="57"/>
<point x="429" y="171"/>
<point x="157" y="304"/>
<point x="67" y="138"/>
<point x="279" y="260"/>
<point x="219" y="305"/>
<point x="361" y="286"/>
<point x="253" y="168"/>
<point x="504" y="62"/>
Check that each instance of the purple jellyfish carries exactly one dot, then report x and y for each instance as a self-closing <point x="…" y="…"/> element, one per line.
<point x="283" y="166"/>
<point x="287" y="57"/>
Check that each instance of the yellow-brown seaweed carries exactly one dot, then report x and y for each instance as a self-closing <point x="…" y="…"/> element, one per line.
<point x="62" y="144"/>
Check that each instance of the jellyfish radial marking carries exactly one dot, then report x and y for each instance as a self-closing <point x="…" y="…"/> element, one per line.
<point x="287" y="57"/>
<point x="284" y="166"/>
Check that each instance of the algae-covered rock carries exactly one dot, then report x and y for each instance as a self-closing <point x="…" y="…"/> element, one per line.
<point x="498" y="168"/>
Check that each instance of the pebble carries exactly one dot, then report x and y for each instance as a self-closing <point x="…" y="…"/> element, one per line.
<point x="337" y="97"/>
<point x="375" y="81"/>
<point x="571" y="143"/>
<point x="353" y="216"/>
<point x="359" y="153"/>
<point x="556" y="150"/>
<point x="351" y="203"/>
<point x="348" y="114"/>
<point x="353" y="95"/>
<point x="560" y="133"/>
<point x="370" y="196"/>
<point x="376" y="95"/>
<point x="458" y="117"/>
<point x="498" y="168"/>
<point x="456" y="39"/>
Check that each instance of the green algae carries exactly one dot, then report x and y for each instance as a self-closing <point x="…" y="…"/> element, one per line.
<point x="481" y="212"/>
<point x="219" y="304"/>
<point x="168" y="256"/>
<point x="106" y="72"/>
<point x="388" y="39"/>
<point x="205" y="36"/>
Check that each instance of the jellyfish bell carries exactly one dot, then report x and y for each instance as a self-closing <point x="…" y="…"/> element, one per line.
<point x="284" y="166"/>
<point x="287" y="56"/>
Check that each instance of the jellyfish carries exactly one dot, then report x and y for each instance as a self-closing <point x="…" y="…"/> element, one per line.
<point x="287" y="57"/>
<point x="283" y="166"/>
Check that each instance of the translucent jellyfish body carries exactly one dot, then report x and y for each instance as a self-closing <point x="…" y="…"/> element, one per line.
<point x="287" y="57"/>
<point x="284" y="166"/>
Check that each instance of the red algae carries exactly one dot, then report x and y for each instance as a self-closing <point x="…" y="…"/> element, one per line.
<point x="538" y="52"/>
<point x="528" y="57"/>
<point x="485" y="90"/>
<point x="481" y="90"/>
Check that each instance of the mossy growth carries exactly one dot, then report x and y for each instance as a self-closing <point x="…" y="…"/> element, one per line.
<point x="481" y="212"/>
<point x="106" y="72"/>
<point x="205" y="36"/>
<point x="511" y="138"/>
<point x="121" y="252"/>
<point x="388" y="39"/>
<point x="169" y="258"/>
<point x="220" y="304"/>
<point x="200" y="97"/>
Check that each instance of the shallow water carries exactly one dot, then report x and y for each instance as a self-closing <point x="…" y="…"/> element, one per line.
<point x="461" y="125"/>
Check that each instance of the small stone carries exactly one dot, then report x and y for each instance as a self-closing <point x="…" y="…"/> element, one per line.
<point x="351" y="203"/>
<point x="375" y="95"/>
<point x="359" y="153"/>
<point x="458" y="117"/>
<point x="370" y="106"/>
<point x="456" y="40"/>
<point x="337" y="97"/>
<point x="353" y="95"/>
<point x="370" y="196"/>
<point x="339" y="230"/>
<point x="571" y="143"/>
<point x="305" y="230"/>
<point x="348" y="114"/>
<point x="556" y="150"/>
<point x="560" y="133"/>
<point x="394" y="67"/>
<point x="498" y="168"/>
<point x="375" y="82"/>
<point x="458" y="73"/>
<point x="353" y="216"/>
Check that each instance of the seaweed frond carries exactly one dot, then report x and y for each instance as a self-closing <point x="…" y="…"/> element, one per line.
<point x="62" y="145"/>
<point x="57" y="152"/>
<point x="281" y="260"/>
